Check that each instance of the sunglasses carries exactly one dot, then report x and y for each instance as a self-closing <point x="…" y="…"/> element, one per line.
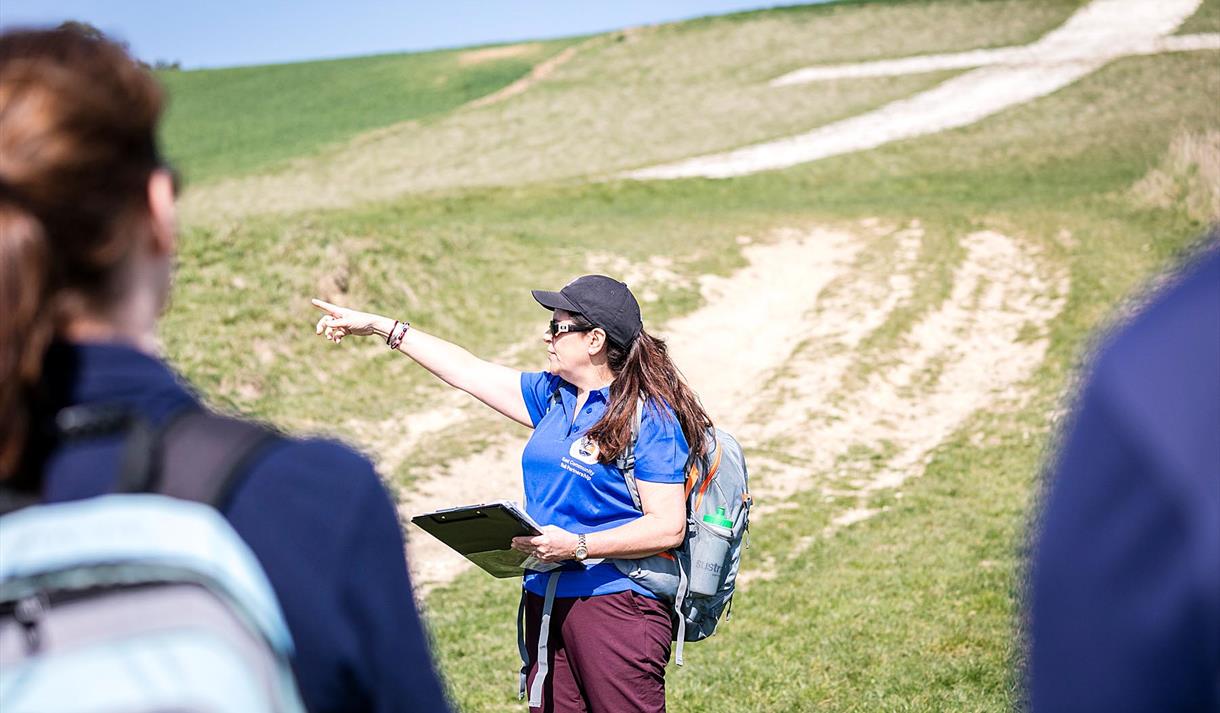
<point x="557" y="328"/>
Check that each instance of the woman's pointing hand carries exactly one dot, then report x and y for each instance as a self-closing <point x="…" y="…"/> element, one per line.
<point x="338" y="322"/>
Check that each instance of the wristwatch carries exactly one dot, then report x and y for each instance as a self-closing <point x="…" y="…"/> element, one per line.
<point x="582" y="549"/>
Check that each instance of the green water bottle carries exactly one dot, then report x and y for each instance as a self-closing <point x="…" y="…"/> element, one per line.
<point x="720" y="519"/>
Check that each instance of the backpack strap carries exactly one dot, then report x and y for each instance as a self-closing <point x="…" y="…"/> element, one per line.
<point x="679" y="600"/>
<point x="555" y="399"/>
<point x="626" y="463"/>
<point x="204" y="456"/>
<point x="86" y="421"/>
<point x="196" y="455"/>
<point x="626" y="459"/>
<point x="711" y="473"/>
<point x="522" y="648"/>
<point x="544" y="635"/>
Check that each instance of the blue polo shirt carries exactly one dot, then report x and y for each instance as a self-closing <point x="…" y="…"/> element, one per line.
<point x="566" y="486"/>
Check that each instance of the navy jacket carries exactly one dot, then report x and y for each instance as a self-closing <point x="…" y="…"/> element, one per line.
<point x="318" y="519"/>
<point x="1126" y="577"/>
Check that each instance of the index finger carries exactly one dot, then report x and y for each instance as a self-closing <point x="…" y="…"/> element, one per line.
<point x="325" y="306"/>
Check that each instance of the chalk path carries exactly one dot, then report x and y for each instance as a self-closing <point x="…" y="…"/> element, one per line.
<point x="1101" y="31"/>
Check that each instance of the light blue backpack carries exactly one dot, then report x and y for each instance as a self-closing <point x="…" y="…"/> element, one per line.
<point x="138" y="601"/>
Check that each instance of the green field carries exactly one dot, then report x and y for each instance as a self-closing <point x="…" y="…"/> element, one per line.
<point x="225" y="122"/>
<point x="1106" y="182"/>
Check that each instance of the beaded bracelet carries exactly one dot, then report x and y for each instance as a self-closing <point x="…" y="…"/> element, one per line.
<point x="396" y="335"/>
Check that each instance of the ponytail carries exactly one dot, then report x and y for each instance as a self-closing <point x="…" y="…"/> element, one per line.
<point x="25" y="331"/>
<point x="78" y="121"/>
<point x="645" y="369"/>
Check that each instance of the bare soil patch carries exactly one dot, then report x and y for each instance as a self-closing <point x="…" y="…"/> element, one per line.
<point x="974" y="352"/>
<point x="491" y="54"/>
<point x="540" y="72"/>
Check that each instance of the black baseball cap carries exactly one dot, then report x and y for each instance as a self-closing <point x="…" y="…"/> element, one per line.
<point x="604" y="301"/>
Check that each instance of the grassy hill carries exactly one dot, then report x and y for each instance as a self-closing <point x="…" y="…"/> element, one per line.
<point x="450" y="220"/>
<point x="226" y="122"/>
<point x="643" y="96"/>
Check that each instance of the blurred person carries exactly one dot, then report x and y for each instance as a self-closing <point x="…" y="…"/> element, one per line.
<point x="1125" y="599"/>
<point x="609" y="637"/>
<point x="87" y="246"/>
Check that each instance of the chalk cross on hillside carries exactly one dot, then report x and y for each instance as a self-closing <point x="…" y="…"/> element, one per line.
<point x="1101" y="31"/>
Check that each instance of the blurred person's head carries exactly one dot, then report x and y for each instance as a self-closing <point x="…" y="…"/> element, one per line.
<point x="86" y="210"/>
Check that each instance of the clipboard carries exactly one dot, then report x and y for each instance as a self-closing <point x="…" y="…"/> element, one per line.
<point x="484" y="533"/>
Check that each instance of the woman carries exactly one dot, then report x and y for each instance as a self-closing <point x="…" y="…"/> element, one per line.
<point x="609" y="637"/>
<point x="87" y="243"/>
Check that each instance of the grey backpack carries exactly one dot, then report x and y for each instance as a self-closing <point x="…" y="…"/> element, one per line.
<point x="699" y="576"/>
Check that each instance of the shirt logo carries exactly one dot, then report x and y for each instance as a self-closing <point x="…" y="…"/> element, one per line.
<point x="584" y="450"/>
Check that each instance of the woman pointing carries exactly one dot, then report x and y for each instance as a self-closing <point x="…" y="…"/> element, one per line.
<point x="609" y="638"/>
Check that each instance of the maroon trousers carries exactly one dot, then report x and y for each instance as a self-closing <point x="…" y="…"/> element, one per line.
<point x="608" y="653"/>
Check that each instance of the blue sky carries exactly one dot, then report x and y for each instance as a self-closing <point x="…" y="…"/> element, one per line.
<point x="206" y="33"/>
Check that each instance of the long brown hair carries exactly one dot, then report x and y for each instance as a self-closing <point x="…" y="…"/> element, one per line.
<point x="645" y="369"/>
<point x="78" y="120"/>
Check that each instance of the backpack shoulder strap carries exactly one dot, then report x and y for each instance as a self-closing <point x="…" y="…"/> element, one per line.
<point x="544" y="634"/>
<point x="553" y="401"/>
<point x="85" y="421"/>
<point x="626" y="459"/>
<point x="197" y="455"/>
<point x="204" y="456"/>
<point x="712" y="469"/>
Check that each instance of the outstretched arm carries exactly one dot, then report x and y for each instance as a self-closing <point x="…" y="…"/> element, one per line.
<point x="495" y="385"/>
